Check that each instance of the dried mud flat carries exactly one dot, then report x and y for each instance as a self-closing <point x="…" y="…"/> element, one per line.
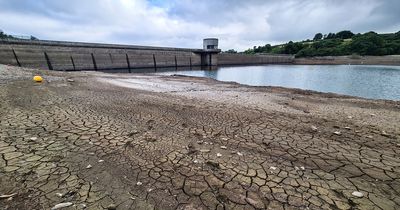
<point x="115" y="141"/>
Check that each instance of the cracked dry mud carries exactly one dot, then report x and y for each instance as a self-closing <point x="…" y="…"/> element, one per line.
<point x="191" y="143"/>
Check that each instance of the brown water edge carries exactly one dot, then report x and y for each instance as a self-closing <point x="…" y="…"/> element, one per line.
<point x="144" y="141"/>
<point x="351" y="60"/>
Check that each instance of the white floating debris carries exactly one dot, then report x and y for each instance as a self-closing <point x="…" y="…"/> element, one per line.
<point x="358" y="194"/>
<point x="350" y="117"/>
<point x="33" y="138"/>
<point x="100" y="161"/>
<point x="302" y="168"/>
<point x="372" y="115"/>
<point x="239" y="153"/>
<point x="91" y="143"/>
<point x="70" y="80"/>
<point x="314" y="128"/>
<point x="205" y="150"/>
<point x="348" y="128"/>
<point x="296" y="168"/>
<point x="59" y="194"/>
<point x="61" y="205"/>
<point x="272" y="168"/>
<point x="223" y="147"/>
<point x="337" y="132"/>
<point x="195" y="161"/>
<point x="89" y="166"/>
<point x="219" y="155"/>
<point x="149" y="190"/>
<point x="224" y="139"/>
<point x="139" y="183"/>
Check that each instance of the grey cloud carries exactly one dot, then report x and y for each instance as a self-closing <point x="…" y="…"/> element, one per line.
<point x="239" y="24"/>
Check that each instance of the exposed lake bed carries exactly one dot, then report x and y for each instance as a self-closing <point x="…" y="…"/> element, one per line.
<point x="145" y="141"/>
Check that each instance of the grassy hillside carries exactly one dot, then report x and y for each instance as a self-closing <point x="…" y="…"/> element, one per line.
<point x="341" y="43"/>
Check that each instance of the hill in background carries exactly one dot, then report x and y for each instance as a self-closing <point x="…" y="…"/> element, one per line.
<point x="337" y="44"/>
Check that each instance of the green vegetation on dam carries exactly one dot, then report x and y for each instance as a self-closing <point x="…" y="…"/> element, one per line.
<point x="341" y="43"/>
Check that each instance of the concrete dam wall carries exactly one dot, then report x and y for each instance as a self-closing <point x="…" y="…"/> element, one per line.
<point x="243" y="59"/>
<point x="54" y="55"/>
<point x="86" y="56"/>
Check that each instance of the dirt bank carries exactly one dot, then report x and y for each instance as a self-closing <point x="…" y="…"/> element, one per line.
<point x="352" y="60"/>
<point x="97" y="141"/>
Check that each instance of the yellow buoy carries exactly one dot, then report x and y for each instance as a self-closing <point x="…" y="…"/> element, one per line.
<point x="37" y="79"/>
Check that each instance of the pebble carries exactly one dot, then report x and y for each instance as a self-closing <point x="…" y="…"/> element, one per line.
<point x="89" y="166"/>
<point x="62" y="205"/>
<point x="337" y="132"/>
<point x="219" y="155"/>
<point x="139" y="183"/>
<point x="111" y="207"/>
<point x="358" y="194"/>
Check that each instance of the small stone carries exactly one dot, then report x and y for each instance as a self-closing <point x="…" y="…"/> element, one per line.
<point x="272" y="168"/>
<point x="357" y="194"/>
<point x="337" y="133"/>
<point x="223" y="147"/>
<point x="89" y="166"/>
<point x="100" y="161"/>
<point x="139" y="183"/>
<point x="112" y="207"/>
<point x="205" y="150"/>
<point x="383" y="133"/>
<point x="62" y="205"/>
<point x="240" y="154"/>
<point x="219" y="155"/>
<point x="314" y="128"/>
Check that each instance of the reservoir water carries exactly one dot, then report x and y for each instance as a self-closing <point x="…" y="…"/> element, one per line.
<point x="375" y="82"/>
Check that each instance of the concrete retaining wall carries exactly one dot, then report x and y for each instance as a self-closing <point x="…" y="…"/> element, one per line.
<point x="243" y="59"/>
<point x="85" y="56"/>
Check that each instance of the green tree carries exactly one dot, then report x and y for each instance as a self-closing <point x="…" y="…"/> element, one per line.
<point x="344" y="35"/>
<point x="318" y="36"/>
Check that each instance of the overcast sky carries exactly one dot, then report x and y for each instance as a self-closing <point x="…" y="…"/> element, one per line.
<point x="239" y="24"/>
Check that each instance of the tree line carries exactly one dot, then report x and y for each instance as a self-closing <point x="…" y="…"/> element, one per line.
<point x="337" y="44"/>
